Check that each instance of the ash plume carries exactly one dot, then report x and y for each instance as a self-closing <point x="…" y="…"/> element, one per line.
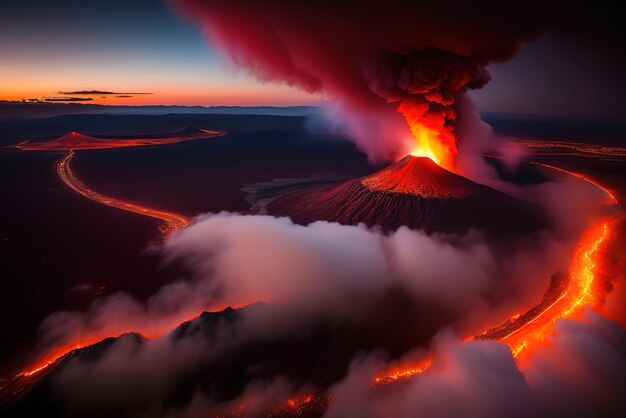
<point x="380" y="62"/>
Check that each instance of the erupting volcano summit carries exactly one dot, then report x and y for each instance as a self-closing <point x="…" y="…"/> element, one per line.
<point x="414" y="192"/>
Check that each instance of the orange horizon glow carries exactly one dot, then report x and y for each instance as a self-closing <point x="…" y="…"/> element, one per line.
<point x="247" y="95"/>
<point x="206" y="100"/>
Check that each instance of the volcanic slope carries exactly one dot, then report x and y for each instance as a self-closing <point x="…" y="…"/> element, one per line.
<point x="73" y="140"/>
<point x="78" y="141"/>
<point x="414" y="192"/>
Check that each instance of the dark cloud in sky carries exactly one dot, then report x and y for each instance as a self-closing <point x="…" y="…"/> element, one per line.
<point x="67" y="99"/>
<point x="98" y="92"/>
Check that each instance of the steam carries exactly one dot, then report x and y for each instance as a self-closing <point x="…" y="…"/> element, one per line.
<point x="384" y="66"/>
<point x="322" y="269"/>
<point x="579" y="375"/>
<point x="340" y="275"/>
<point x="331" y="271"/>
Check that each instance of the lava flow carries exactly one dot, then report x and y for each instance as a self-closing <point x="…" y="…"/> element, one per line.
<point x="564" y="299"/>
<point x="582" y="290"/>
<point x="612" y="199"/>
<point x="172" y="221"/>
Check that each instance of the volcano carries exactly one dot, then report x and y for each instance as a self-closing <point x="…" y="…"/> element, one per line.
<point x="413" y="192"/>
<point x="77" y="141"/>
<point x="72" y="140"/>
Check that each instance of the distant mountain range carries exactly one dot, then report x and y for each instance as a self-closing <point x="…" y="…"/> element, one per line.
<point x="14" y="113"/>
<point x="18" y="110"/>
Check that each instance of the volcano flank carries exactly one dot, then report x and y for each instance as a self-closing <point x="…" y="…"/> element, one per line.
<point x="414" y="192"/>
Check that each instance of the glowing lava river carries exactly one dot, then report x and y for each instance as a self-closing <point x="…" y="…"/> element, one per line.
<point x="566" y="298"/>
<point x="171" y="221"/>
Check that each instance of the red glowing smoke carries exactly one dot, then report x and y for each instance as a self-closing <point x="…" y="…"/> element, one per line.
<point x="372" y="60"/>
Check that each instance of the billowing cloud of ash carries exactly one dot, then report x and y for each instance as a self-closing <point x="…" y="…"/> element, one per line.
<point x="377" y="62"/>
<point x="579" y="375"/>
<point x="382" y="64"/>
<point x="322" y="269"/>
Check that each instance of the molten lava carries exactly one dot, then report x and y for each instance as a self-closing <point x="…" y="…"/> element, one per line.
<point x="403" y="372"/>
<point x="612" y="200"/>
<point x="437" y="144"/>
<point x="582" y="290"/>
<point x="420" y="176"/>
<point x="172" y="221"/>
<point x="565" y="299"/>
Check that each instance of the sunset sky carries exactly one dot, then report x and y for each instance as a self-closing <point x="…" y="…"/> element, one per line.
<point x="141" y="46"/>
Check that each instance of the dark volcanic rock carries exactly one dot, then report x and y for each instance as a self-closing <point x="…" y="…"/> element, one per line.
<point x="414" y="192"/>
<point x="313" y="358"/>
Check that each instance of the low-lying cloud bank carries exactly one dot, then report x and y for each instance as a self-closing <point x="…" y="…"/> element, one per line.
<point x="580" y="375"/>
<point x="324" y="269"/>
<point x="338" y="274"/>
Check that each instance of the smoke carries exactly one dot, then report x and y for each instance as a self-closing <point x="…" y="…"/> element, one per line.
<point x="376" y="62"/>
<point x="322" y="269"/>
<point x="360" y="293"/>
<point x="579" y="375"/>
<point x="383" y="65"/>
<point x="325" y="273"/>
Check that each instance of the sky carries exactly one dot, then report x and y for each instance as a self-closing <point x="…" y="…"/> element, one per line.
<point x="141" y="46"/>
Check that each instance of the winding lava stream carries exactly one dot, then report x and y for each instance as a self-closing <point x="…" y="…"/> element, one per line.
<point x="171" y="221"/>
<point x="522" y="332"/>
<point x="564" y="299"/>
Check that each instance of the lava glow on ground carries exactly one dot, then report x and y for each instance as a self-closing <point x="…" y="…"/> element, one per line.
<point x="394" y="208"/>
<point x="526" y="331"/>
<point x="171" y="221"/>
<point x="566" y="298"/>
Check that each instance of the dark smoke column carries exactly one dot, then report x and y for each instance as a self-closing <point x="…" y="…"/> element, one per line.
<point x="375" y="62"/>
